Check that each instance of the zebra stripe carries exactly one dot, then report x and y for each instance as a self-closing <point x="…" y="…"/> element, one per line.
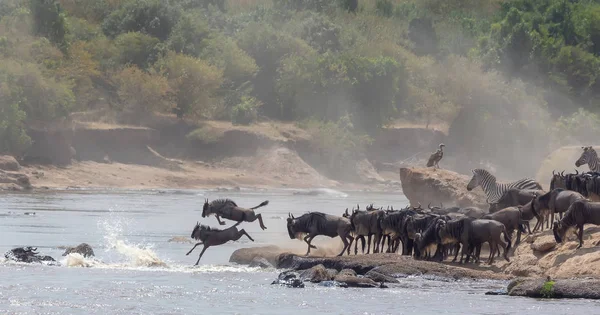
<point x="589" y="157"/>
<point x="493" y="190"/>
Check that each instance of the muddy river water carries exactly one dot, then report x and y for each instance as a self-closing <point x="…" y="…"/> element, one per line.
<point x="138" y="271"/>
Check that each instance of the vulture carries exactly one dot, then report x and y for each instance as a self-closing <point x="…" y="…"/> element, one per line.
<point x="436" y="157"/>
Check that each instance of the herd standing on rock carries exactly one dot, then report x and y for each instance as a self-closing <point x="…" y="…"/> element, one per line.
<point x="434" y="233"/>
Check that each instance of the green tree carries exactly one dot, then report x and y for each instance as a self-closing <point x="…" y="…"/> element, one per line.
<point x="49" y="21"/>
<point x="152" y="17"/>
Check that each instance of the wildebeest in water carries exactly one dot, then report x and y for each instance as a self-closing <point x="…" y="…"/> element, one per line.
<point x="228" y="209"/>
<point x="212" y="237"/>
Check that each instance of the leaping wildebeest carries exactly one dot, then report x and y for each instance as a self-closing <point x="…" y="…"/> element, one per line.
<point x="212" y="237"/>
<point x="228" y="209"/>
<point x="312" y="224"/>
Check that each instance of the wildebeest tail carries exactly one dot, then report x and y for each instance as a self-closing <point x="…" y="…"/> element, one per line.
<point x="264" y="203"/>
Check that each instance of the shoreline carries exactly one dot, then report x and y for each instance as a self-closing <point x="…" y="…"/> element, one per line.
<point x="96" y="176"/>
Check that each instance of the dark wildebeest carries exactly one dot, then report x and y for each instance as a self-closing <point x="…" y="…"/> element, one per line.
<point x="472" y="212"/>
<point x="455" y="232"/>
<point x="428" y="244"/>
<point x="418" y="224"/>
<point x="310" y="225"/>
<point x="366" y="223"/>
<point x="560" y="201"/>
<point x="512" y="219"/>
<point x="528" y="212"/>
<point x="515" y="197"/>
<point x="212" y="237"/>
<point x="391" y="224"/>
<point x="555" y="201"/>
<point x="489" y="231"/>
<point x="558" y="180"/>
<point x="228" y="209"/>
<point x="581" y="212"/>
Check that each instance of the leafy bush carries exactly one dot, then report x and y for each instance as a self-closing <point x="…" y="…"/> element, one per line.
<point x="138" y="49"/>
<point x="205" y="134"/>
<point x="190" y="35"/>
<point x="153" y="17"/>
<point x="384" y="8"/>
<point x="142" y="92"/>
<point x="246" y="112"/>
<point x="41" y="98"/>
<point x="194" y="83"/>
<point x="581" y="126"/>
<point x="13" y="138"/>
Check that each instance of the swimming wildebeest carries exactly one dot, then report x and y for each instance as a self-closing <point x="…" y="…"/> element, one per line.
<point x="581" y="212"/>
<point x="310" y="225"/>
<point x="212" y="237"/>
<point x="228" y="209"/>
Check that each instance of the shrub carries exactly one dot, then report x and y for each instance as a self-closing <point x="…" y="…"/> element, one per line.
<point x="13" y="138"/>
<point x="194" y="83"/>
<point x="142" y="92"/>
<point x="138" y="49"/>
<point x="190" y="35"/>
<point x="153" y="17"/>
<point x="41" y="98"/>
<point x="580" y="126"/>
<point x="246" y="112"/>
<point x="384" y="8"/>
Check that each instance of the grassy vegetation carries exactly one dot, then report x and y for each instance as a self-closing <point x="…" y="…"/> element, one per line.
<point x="470" y="64"/>
<point x="547" y="290"/>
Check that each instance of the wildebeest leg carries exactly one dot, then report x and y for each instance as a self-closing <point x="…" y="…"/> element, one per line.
<point x="219" y="220"/>
<point x="346" y="244"/>
<point x="240" y="234"/>
<point x="369" y="244"/>
<point x="350" y="243"/>
<point x="309" y="245"/>
<point x="201" y="253"/>
<point x="260" y="221"/>
<point x="193" y="248"/>
<point x="376" y="243"/>
<point x="580" y="236"/>
<point x="307" y="242"/>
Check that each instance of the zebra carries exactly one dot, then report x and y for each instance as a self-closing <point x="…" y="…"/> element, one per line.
<point x="589" y="157"/>
<point x="495" y="191"/>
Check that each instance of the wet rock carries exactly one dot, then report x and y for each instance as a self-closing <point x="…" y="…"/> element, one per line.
<point x="290" y="279"/>
<point x="9" y="163"/>
<point x="28" y="255"/>
<point x="559" y="288"/>
<point x="83" y="249"/>
<point x="331" y="284"/>
<point x="260" y="262"/>
<point x="14" y="181"/>
<point x="379" y="277"/>
<point x="245" y="256"/>
<point x="317" y="274"/>
<point x="357" y="282"/>
<point x="497" y="292"/>
<point x="291" y="261"/>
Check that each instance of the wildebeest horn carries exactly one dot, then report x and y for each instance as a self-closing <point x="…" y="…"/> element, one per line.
<point x="441" y="205"/>
<point x="562" y="173"/>
<point x="429" y="206"/>
<point x="553" y="173"/>
<point x="576" y="172"/>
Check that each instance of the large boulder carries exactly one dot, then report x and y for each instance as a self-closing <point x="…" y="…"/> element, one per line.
<point x="435" y="186"/>
<point x="9" y="163"/>
<point x="556" y="289"/>
<point x="14" y="181"/>
<point x="246" y="256"/>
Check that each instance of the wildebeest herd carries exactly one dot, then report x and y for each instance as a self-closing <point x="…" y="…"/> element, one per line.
<point x="436" y="232"/>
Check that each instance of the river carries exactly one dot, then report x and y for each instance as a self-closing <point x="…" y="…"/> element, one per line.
<point x="138" y="271"/>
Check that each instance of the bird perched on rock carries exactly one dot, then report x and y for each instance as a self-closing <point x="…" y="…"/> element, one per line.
<point x="436" y="157"/>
